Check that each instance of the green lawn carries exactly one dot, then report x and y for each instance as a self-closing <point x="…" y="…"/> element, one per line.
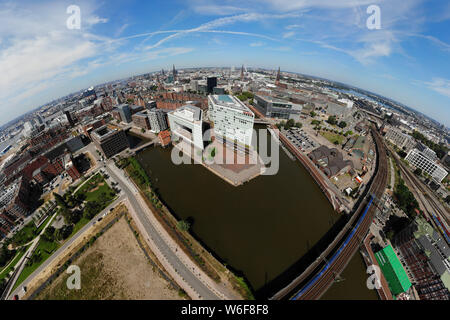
<point x="80" y="224"/>
<point x="25" y="235"/>
<point x="333" y="137"/>
<point x="95" y="186"/>
<point x="44" y="250"/>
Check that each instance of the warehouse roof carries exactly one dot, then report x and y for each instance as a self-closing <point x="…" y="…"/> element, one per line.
<point x="393" y="270"/>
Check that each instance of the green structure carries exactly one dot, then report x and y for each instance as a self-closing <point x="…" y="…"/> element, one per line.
<point x="393" y="270"/>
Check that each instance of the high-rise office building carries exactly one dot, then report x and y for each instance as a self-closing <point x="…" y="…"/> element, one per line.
<point x="69" y="118"/>
<point x="233" y="121"/>
<point x="211" y="82"/>
<point x="125" y="112"/>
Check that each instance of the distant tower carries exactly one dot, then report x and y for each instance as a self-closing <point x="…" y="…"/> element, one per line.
<point x="242" y="73"/>
<point x="162" y="72"/>
<point x="277" y="81"/>
<point x="174" y="73"/>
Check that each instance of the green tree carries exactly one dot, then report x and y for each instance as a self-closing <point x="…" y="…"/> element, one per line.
<point x="64" y="232"/>
<point x="91" y="209"/>
<point x="49" y="234"/>
<point x="418" y="171"/>
<point x="60" y="200"/>
<point x="183" y="225"/>
<point x="332" y="120"/>
<point x="342" y="124"/>
<point x="6" y="255"/>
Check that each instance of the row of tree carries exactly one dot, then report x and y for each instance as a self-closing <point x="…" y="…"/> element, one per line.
<point x="333" y="121"/>
<point x="289" y="124"/>
<point x="440" y="149"/>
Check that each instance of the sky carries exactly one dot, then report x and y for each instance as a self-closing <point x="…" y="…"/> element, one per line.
<point x="407" y="58"/>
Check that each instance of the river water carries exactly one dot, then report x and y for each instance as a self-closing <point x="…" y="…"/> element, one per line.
<point x="260" y="228"/>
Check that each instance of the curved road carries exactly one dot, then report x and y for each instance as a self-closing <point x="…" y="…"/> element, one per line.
<point x="203" y="290"/>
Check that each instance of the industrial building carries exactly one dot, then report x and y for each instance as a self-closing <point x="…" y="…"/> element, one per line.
<point x="393" y="271"/>
<point x="232" y="120"/>
<point x="330" y="161"/>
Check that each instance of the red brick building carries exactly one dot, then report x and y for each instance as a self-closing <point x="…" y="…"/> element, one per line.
<point x="164" y="138"/>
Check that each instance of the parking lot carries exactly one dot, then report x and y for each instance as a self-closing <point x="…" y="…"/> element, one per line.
<point x="300" y="139"/>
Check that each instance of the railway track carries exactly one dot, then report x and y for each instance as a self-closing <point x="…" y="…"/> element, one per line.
<point x="377" y="188"/>
<point x="347" y="242"/>
<point x="427" y="201"/>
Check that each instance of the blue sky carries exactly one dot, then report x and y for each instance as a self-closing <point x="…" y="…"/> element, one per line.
<point x="408" y="59"/>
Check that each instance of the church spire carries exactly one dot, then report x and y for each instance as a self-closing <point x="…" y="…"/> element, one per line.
<point x="277" y="81"/>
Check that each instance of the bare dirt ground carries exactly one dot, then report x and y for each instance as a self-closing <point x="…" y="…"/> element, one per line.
<point x="114" y="267"/>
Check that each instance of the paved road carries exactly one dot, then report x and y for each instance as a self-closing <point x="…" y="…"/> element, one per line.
<point x="186" y="273"/>
<point x="47" y="262"/>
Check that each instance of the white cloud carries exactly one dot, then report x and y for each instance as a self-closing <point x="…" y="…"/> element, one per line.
<point x="257" y="44"/>
<point x="209" y="9"/>
<point x="38" y="50"/>
<point x="121" y="30"/>
<point x="440" y="85"/>
<point x="289" y="34"/>
<point x="211" y="25"/>
<point x="293" y="26"/>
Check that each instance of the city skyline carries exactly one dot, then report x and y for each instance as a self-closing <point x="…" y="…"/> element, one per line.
<point x="406" y="60"/>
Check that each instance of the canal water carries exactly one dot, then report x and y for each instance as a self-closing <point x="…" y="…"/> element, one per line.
<point x="260" y="228"/>
<point x="352" y="285"/>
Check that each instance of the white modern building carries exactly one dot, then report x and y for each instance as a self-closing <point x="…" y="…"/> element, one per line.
<point x="232" y="120"/>
<point x="421" y="161"/>
<point x="401" y="140"/>
<point x="157" y="119"/>
<point x="430" y="154"/>
<point x="186" y="123"/>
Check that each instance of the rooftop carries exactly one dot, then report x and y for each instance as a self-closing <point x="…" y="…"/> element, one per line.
<point x="103" y="133"/>
<point x="393" y="270"/>
<point x="188" y="112"/>
<point x="228" y="102"/>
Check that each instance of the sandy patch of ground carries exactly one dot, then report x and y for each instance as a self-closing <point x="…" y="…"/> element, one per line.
<point x="114" y="267"/>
